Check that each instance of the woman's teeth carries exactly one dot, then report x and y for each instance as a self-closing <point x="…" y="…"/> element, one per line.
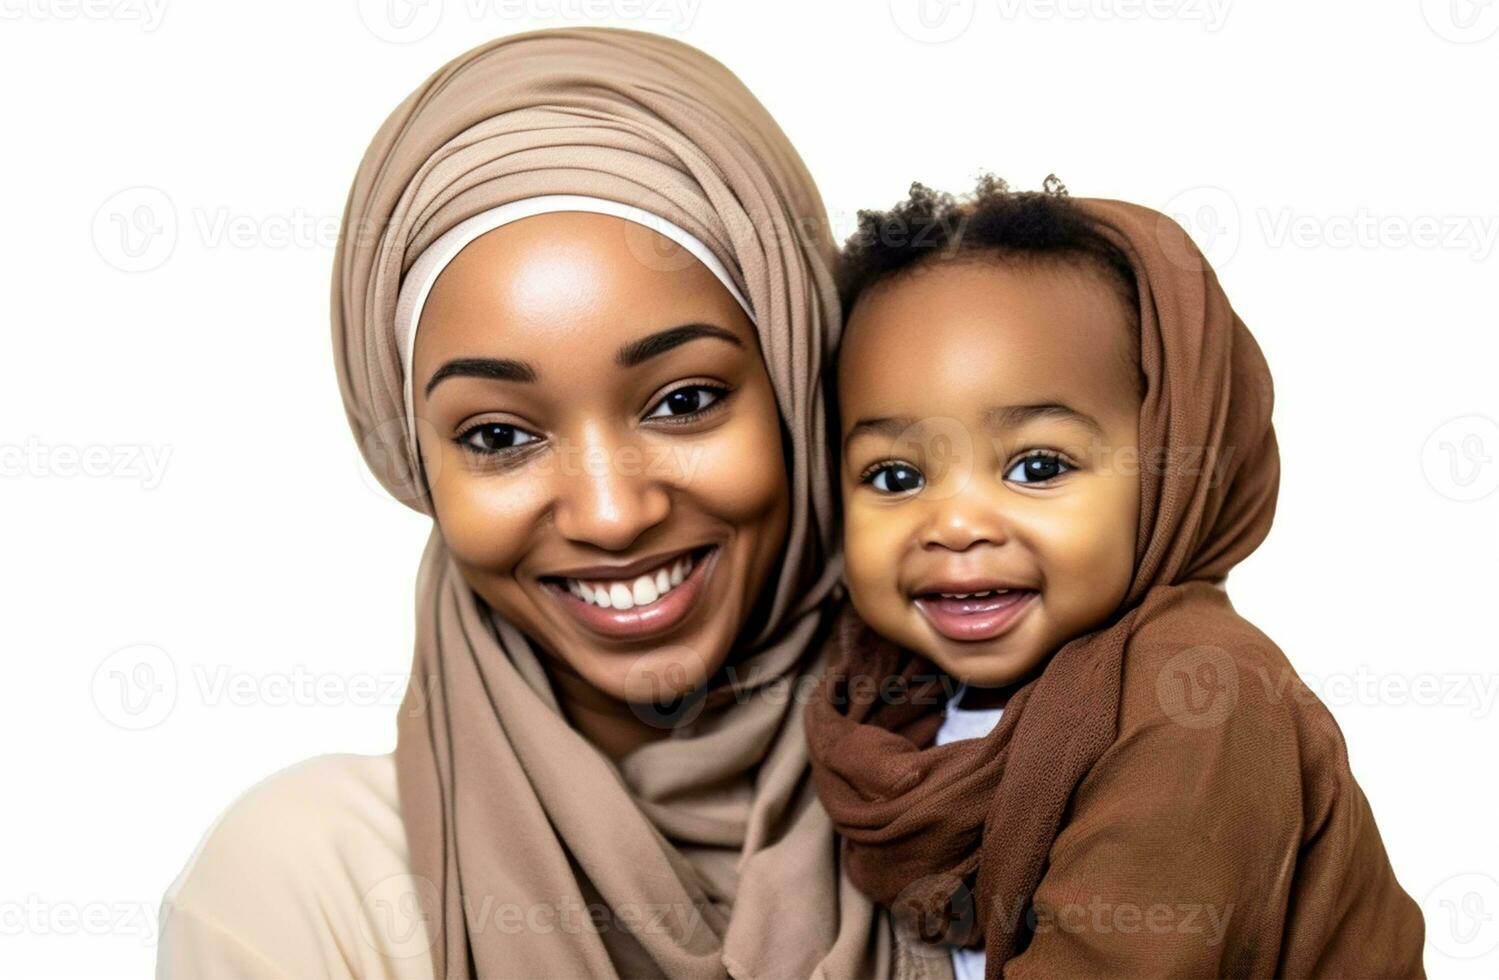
<point x="639" y="591"/>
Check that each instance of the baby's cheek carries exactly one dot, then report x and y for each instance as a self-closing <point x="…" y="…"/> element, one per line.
<point x="1087" y="559"/>
<point x="872" y="551"/>
<point x="1114" y="540"/>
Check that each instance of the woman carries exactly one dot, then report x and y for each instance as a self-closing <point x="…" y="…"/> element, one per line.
<point x="580" y="306"/>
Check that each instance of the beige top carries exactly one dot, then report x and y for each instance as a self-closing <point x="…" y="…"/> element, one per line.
<point x="304" y="875"/>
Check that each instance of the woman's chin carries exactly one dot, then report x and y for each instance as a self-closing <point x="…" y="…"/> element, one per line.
<point x="650" y="673"/>
<point x="662" y="686"/>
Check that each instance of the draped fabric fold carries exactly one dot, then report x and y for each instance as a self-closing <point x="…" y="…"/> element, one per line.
<point x="705" y="854"/>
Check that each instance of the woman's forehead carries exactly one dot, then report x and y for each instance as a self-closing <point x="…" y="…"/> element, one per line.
<point x="557" y="278"/>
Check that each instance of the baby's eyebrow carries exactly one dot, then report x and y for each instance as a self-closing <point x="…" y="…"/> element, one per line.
<point x="890" y="425"/>
<point x="996" y="417"/>
<point x="1012" y="416"/>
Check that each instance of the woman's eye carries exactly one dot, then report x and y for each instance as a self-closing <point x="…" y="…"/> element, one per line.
<point x="1037" y="468"/>
<point x="495" y="437"/>
<point x="895" y="478"/>
<point x="686" y="401"/>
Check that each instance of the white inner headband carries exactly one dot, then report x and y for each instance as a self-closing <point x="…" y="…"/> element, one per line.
<point x="429" y="265"/>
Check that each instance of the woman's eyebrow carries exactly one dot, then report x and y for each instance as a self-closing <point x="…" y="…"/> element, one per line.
<point x="1011" y="416"/>
<point x="652" y="345"/>
<point x="633" y="353"/>
<point x="492" y="368"/>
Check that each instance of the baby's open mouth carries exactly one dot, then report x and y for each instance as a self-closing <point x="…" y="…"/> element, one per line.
<point x="979" y="615"/>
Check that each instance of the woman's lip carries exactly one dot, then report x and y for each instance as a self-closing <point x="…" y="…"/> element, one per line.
<point x="641" y="621"/>
<point x="625" y="571"/>
<point x="975" y="619"/>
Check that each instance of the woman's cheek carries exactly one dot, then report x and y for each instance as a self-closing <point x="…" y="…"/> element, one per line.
<point x="487" y="519"/>
<point x="736" y="472"/>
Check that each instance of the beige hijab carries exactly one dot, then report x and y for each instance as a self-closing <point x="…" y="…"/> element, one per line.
<point x="705" y="854"/>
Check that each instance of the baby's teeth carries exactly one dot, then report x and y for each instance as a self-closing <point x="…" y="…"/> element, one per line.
<point x="678" y="571"/>
<point x="620" y="596"/>
<point x="643" y="591"/>
<point x="662" y="581"/>
<point x="601" y="597"/>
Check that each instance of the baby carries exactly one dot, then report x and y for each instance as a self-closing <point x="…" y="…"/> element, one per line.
<point x="1049" y="741"/>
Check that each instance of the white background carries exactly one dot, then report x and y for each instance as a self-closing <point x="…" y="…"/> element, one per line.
<point x="178" y="473"/>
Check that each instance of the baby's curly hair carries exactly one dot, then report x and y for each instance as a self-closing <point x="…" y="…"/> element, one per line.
<point x="933" y="226"/>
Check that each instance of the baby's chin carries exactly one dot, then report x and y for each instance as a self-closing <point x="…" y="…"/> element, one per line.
<point x="1010" y="664"/>
<point x="986" y="640"/>
<point x="998" y="662"/>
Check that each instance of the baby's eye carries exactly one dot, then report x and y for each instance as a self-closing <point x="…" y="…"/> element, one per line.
<point x="1038" y="468"/>
<point x="687" y="400"/>
<point x="493" y="438"/>
<point x="894" y="478"/>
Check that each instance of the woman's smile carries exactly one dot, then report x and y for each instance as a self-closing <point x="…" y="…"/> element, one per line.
<point x="639" y="600"/>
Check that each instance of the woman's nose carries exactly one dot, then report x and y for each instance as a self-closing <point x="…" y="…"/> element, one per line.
<point x="603" y="498"/>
